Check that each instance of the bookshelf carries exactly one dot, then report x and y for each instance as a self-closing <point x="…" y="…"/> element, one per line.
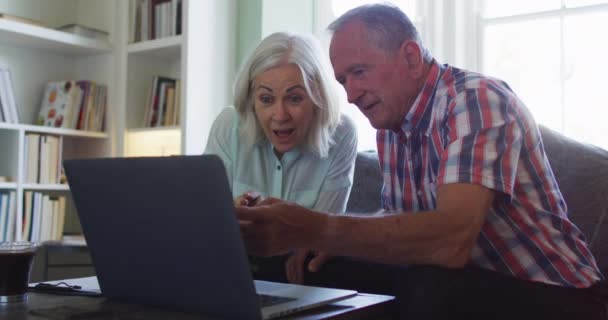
<point x="36" y="55"/>
<point x="202" y="57"/>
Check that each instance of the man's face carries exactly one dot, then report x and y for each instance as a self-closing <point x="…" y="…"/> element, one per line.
<point x="376" y="81"/>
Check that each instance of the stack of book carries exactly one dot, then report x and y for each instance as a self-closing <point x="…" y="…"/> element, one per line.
<point x="8" y="209"/>
<point x="43" y="217"/>
<point x="74" y="105"/>
<point x="8" y="106"/>
<point x="42" y="158"/>
<point x="163" y="103"/>
<point x="154" y="19"/>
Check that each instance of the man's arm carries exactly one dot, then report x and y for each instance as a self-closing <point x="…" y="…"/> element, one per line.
<point x="442" y="237"/>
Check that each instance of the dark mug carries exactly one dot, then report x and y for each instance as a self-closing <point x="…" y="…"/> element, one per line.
<point x="15" y="266"/>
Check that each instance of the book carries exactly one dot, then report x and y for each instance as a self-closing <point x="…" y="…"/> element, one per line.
<point x="57" y="102"/>
<point x="7" y="97"/>
<point x="84" y="31"/>
<point x="32" y="157"/>
<point x="12" y="213"/>
<point x="168" y="119"/>
<point x="156" y="102"/>
<point x="3" y="215"/>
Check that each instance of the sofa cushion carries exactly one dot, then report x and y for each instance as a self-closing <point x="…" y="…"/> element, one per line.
<point x="581" y="170"/>
<point x="367" y="184"/>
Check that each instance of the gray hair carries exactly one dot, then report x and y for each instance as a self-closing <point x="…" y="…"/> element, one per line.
<point x="304" y="51"/>
<point x="389" y="26"/>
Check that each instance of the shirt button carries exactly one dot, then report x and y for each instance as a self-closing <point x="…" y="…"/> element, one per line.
<point x="419" y="192"/>
<point x="278" y="167"/>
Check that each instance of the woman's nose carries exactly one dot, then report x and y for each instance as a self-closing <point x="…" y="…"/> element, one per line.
<point x="280" y="112"/>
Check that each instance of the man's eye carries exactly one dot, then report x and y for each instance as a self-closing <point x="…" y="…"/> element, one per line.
<point x="341" y="80"/>
<point x="358" y="71"/>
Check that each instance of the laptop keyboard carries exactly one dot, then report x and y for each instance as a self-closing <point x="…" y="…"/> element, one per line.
<point x="268" y="300"/>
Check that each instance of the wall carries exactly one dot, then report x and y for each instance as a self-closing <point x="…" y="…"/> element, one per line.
<point x="210" y="53"/>
<point x="259" y="18"/>
<point x="249" y="29"/>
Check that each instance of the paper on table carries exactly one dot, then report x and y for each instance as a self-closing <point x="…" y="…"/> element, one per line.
<point x="89" y="284"/>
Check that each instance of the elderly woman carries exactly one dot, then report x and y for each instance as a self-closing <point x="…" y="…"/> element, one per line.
<point x="286" y="138"/>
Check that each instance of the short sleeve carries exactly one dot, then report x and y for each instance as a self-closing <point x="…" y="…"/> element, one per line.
<point x="339" y="180"/>
<point x="222" y="139"/>
<point x="484" y="140"/>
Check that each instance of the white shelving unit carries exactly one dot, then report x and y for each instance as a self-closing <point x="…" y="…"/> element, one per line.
<point x="202" y="57"/>
<point x="36" y="55"/>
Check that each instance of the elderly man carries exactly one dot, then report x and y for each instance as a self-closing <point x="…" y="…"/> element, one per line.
<point x="471" y="204"/>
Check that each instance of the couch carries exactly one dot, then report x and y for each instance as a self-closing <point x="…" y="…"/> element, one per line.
<point x="581" y="171"/>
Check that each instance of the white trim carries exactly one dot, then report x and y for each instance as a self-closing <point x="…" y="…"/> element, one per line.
<point x="53" y="131"/>
<point x="169" y="48"/>
<point x="45" y="187"/>
<point x="31" y="36"/>
<point x="8" y="186"/>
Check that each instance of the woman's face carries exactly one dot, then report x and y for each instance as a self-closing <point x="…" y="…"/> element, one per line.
<point x="283" y="107"/>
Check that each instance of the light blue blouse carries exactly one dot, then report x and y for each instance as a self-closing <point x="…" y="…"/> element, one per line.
<point x="300" y="176"/>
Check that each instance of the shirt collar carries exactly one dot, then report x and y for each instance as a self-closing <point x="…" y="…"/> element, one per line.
<point x="287" y="158"/>
<point x="419" y="116"/>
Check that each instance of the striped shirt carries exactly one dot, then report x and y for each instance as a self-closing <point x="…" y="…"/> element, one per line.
<point x="468" y="128"/>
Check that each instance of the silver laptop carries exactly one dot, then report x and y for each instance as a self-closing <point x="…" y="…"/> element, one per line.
<point x="162" y="231"/>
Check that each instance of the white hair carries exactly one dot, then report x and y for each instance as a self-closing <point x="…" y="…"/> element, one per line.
<point x="304" y="51"/>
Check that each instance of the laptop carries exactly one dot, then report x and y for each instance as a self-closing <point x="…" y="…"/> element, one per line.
<point x="162" y="232"/>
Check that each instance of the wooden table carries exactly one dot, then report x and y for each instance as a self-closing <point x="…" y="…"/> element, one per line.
<point x="50" y="306"/>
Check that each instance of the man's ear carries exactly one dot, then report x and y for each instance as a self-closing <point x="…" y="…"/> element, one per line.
<point x="412" y="53"/>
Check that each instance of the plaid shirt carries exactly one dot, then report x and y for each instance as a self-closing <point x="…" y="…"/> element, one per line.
<point x="467" y="128"/>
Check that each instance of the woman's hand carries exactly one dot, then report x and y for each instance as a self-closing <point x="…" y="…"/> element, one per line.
<point x="248" y="199"/>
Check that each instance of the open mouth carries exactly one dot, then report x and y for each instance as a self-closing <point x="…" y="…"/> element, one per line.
<point x="283" y="133"/>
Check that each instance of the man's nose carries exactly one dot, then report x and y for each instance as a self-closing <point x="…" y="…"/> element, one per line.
<point x="353" y="91"/>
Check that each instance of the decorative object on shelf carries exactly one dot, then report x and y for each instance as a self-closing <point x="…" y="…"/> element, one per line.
<point x="162" y="105"/>
<point x="74" y="105"/>
<point x="11" y="17"/>
<point x="84" y="31"/>
<point x="6" y="179"/>
<point x="8" y="106"/>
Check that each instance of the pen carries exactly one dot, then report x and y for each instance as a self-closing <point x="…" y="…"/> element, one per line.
<point x="67" y="290"/>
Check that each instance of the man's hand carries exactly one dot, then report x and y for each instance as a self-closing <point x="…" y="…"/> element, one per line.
<point x="275" y="227"/>
<point x="318" y="261"/>
<point x="294" y="266"/>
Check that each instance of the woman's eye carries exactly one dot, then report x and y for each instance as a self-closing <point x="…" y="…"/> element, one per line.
<point x="265" y="99"/>
<point x="294" y="99"/>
